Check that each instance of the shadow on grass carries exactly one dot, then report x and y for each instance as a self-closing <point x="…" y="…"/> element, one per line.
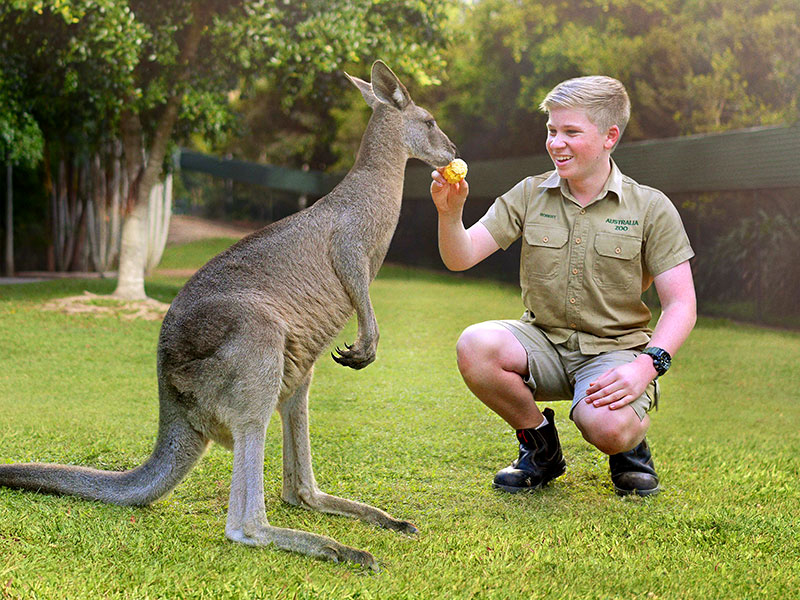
<point x="59" y="288"/>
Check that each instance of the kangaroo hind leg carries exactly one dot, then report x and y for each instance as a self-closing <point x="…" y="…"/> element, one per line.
<point x="299" y="485"/>
<point x="247" y="520"/>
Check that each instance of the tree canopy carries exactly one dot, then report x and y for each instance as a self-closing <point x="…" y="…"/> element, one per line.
<point x="265" y="80"/>
<point x="88" y="62"/>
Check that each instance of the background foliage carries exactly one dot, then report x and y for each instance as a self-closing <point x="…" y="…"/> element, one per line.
<point x="690" y="66"/>
<point x="267" y="81"/>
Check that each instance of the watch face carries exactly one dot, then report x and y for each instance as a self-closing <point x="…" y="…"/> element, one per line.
<point x="661" y="359"/>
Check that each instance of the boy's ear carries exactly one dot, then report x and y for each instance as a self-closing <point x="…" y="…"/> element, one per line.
<point x="612" y="137"/>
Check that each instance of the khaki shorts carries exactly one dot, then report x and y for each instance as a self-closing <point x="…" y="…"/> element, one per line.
<point x="562" y="372"/>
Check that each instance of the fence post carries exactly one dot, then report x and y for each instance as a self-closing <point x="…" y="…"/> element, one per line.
<point x="759" y="268"/>
<point x="9" y="222"/>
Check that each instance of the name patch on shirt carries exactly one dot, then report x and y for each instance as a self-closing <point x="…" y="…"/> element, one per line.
<point x="546" y="216"/>
<point x="622" y="224"/>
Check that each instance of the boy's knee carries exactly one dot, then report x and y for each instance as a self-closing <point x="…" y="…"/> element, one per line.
<point x="609" y="441"/>
<point x="477" y="347"/>
<point x="612" y="433"/>
<point x="469" y="347"/>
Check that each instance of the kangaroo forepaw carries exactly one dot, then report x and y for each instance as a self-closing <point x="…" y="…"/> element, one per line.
<point x="353" y="358"/>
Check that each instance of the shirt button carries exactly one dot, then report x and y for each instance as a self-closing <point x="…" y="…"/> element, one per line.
<point x="573" y="326"/>
<point x="572" y="300"/>
<point x="545" y="239"/>
<point x="577" y="240"/>
<point x="583" y="211"/>
<point x="574" y="271"/>
<point x="617" y="250"/>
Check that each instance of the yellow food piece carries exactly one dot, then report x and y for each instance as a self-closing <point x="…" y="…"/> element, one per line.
<point x="455" y="171"/>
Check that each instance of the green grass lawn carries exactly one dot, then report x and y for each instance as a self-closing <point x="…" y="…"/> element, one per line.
<point x="406" y="435"/>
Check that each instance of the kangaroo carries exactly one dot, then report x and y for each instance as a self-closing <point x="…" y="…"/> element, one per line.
<point x="242" y="336"/>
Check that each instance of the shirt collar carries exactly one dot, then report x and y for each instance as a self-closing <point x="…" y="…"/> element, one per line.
<point x="612" y="184"/>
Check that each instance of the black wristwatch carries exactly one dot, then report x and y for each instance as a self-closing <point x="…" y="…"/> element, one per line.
<point x="661" y="359"/>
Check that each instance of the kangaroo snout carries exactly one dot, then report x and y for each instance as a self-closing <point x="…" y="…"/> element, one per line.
<point x="448" y="155"/>
<point x="450" y="151"/>
<point x="453" y="152"/>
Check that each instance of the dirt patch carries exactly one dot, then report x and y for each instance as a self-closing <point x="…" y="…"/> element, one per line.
<point x="185" y="228"/>
<point x="93" y="304"/>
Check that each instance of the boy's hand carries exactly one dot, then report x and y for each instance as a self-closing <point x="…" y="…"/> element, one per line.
<point x="448" y="197"/>
<point x="621" y="385"/>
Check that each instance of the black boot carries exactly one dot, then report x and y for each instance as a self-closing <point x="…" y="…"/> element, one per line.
<point x="540" y="459"/>
<point x="633" y="472"/>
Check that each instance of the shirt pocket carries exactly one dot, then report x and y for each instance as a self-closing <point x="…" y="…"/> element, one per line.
<point x="616" y="260"/>
<point x="544" y="251"/>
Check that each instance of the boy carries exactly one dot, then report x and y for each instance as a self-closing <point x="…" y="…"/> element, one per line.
<point x="593" y="241"/>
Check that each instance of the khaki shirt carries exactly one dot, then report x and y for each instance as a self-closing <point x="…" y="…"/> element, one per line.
<point x="583" y="269"/>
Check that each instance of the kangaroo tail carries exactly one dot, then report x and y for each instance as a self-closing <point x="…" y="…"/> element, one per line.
<point x="177" y="449"/>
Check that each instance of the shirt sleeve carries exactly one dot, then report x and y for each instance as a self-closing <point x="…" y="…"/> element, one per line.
<point x="506" y="217"/>
<point x="666" y="244"/>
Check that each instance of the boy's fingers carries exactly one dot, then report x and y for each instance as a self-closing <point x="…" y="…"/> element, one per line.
<point x="624" y="401"/>
<point x="603" y="388"/>
<point x="603" y="380"/>
<point x="437" y="178"/>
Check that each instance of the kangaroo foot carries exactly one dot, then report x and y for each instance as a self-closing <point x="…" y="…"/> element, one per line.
<point x="381" y="518"/>
<point x="317" y="500"/>
<point x="354" y="356"/>
<point x="302" y="542"/>
<point x="406" y="527"/>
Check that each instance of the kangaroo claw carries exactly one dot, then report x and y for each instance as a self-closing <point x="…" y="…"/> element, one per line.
<point x="406" y="527"/>
<point x="352" y="358"/>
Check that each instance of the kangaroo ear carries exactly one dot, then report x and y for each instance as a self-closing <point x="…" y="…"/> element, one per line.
<point x="387" y="86"/>
<point x="365" y="89"/>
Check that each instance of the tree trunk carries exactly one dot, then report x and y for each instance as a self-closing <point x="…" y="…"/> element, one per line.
<point x="158" y="217"/>
<point x="103" y="207"/>
<point x="138" y="243"/>
<point x="133" y="255"/>
<point x="133" y="251"/>
<point x="80" y="251"/>
<point x="9" y="221"/>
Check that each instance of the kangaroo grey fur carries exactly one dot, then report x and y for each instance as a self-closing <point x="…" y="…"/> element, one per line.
<point x="242" y="336"/>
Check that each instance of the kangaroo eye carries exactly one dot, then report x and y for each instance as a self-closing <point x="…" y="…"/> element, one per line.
<point x="430" y="123"/>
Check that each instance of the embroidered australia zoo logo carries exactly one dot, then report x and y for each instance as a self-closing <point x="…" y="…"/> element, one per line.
<point x="622" y="224"/>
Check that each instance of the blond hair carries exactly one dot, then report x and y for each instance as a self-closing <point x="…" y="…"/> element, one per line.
<point x="603" y="98"/>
